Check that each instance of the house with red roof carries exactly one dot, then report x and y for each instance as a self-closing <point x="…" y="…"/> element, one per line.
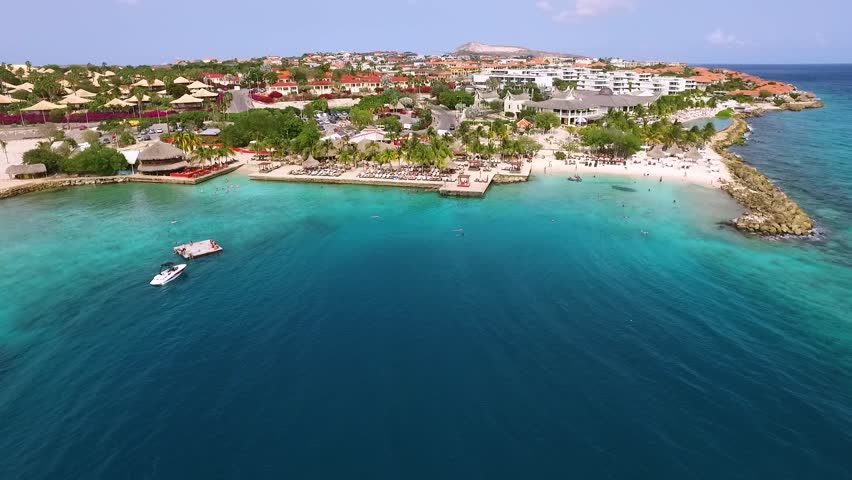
<point x="361" y="84"/>
<point x="321" y="87"/>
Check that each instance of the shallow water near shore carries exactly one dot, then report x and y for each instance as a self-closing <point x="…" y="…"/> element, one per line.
<point x="352" y="331"/>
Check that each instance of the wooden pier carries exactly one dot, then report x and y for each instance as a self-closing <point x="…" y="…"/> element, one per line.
<point x="197" y="249"/>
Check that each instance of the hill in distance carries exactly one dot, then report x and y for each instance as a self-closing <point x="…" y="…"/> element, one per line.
<point x="481" y="49"/>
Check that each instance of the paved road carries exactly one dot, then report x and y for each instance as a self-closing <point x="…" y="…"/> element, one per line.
<point x="443" y="118"/>
<point x="241" y="101"/>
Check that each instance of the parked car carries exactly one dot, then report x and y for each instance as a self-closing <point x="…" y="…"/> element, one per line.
<point x="159" y="130"/>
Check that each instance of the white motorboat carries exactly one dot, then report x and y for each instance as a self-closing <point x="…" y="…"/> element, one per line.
<point x="168" y="272"/>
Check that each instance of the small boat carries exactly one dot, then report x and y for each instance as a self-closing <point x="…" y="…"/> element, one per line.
<point x="168" y="272"/>
<point x="575" y="178"/>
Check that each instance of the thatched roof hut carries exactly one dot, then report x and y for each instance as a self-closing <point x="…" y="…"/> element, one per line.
<point x="161" y="158"/>
<point x="187" y="101"/>
<point x="196" y="85"/>
<point x="181" y="81"/>
<point x="26" y="171"/>
<point x="204" y="93"/>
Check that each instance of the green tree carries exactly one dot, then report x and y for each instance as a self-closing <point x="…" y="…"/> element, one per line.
<point x="90" y="136"/>
<point x="176" y="90"/>
<point x="95" y="160"/>
<point x="360" y="118"/>
<point x="391" y="124"/>
<point x="49" y="158"/>
<point x="187" y="141"/>
<point x="546" y="120"/>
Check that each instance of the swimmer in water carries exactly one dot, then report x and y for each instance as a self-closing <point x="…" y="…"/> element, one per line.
<point x="644" y="232"/>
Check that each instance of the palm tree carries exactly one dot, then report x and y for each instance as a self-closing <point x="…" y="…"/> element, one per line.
<point x="187" y="141"/>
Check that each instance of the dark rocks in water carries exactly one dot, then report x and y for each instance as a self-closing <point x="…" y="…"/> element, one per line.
<point x="622" y="189"/>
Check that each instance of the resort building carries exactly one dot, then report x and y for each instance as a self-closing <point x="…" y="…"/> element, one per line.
<point x="588" y="78"/>
<point x="515" y="103"/>
<point x="284" y="88"/>
<point x="579" y="107"/>
<point x="161" y="159"/>
<point x="321" y="87"/>
<point x="361" y="84"/>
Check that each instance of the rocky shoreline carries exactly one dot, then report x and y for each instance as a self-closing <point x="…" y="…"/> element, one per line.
<point x="770" y="211"/>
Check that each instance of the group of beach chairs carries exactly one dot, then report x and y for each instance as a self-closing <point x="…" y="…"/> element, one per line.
<point x="198" y="172"/>
<point x="411" y="174"/>
<point x="319" y="172"/>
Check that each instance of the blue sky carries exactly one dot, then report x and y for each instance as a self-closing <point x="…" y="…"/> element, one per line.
<point x="149" y="31"/>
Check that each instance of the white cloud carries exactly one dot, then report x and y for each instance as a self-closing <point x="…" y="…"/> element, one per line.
<point x="544" y="5"/>
<point x="129" y="2"/>
<point x="576" y="9"/>
<point x="820" y="39"/>
<point x="724" y="39"/>
<point x="594" y="8"/>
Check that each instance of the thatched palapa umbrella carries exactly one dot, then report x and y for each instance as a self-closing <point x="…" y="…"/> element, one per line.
<point x="4" y="100"/>
<point x="43" y="106"/>
<point x="75" y="101"/>
<point x="657" y="152"/>
<point x="117" y="103"/>
<point x="694" y="154"/>
<point x="85" y="94"/>
<point x="311" y="162"/>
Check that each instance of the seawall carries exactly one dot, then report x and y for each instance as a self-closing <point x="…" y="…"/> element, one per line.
<point x="54" y="183"/>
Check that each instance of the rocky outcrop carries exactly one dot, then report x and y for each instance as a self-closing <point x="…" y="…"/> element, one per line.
<point x="799" y="106"/>
<point x="770" y="211"/>
<point x="508" y="179"/>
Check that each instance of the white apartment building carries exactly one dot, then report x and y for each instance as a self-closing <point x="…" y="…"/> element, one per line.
<point x="589" y="79"/>
<point x="541" y="77"/>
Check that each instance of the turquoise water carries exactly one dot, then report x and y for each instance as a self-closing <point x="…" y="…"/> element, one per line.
<point x="354" y="332"/>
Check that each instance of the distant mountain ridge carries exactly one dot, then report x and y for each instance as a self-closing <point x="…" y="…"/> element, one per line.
<point x="481" y="49"/>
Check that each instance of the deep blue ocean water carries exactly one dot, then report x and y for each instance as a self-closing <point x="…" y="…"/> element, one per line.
<point x="353" y="332"/>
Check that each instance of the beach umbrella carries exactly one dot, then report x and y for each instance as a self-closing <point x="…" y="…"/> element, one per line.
<point x="674" y="150"/>
<point x="73" y="100"/>
<point x="694" y="154"/>
<point x="117" y="103"/>
<point x="311" y="162"/>
<point x="85" y="94"/>
<point x="43" y="106"/>
<point x="657" y="152"/>
<point x="4" y="100"/>
<point x="186" y="100"/>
